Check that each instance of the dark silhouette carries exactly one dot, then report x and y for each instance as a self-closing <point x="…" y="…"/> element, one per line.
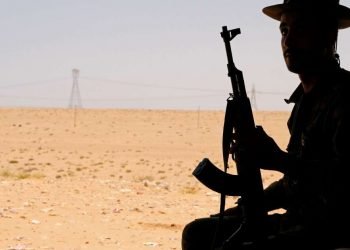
<point x="315" y="187"/>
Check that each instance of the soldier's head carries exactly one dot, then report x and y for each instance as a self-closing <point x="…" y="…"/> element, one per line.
<point x="309" y="30"/>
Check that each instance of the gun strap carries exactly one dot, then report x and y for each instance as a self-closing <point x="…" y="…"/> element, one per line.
<point x="227" y="132"/>
<point x="226" y="144"/>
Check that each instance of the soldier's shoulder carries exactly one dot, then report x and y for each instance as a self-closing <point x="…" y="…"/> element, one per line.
<point x="344" y="81"/>
<point x="345" y="75"/>
<point x="342" y="90"/>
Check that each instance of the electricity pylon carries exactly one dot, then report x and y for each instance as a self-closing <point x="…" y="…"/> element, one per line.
<point x="75" y="99"/>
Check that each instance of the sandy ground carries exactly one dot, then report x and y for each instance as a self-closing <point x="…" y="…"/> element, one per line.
<point x="108" y="179"/>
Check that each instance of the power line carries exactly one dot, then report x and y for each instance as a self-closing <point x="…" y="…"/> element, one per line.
<point x="31" y="97"/>
<point x="75" y="98"/>
<point x="162" y="97"/>
<point x="33" y="83"/>
<point x="150" y="85"/>
<point x="127" y="83"/>
<point x="271" y="93"/>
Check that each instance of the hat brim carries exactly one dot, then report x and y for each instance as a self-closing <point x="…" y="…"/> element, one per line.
<point x="275" y="12"/>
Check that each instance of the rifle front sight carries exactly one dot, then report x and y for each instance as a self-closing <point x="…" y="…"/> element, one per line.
<point x="228" y="35"/>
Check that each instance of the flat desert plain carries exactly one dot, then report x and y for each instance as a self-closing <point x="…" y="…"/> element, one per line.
<point x="109" y="179"/>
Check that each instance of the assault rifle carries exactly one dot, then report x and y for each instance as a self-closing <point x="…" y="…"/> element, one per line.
<point x="239" y="126"/>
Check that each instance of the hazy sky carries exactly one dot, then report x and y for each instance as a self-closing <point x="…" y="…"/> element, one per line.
<point x="141" y="54"/>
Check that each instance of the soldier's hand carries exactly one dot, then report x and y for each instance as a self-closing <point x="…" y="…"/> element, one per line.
<point x="259" y="149"/>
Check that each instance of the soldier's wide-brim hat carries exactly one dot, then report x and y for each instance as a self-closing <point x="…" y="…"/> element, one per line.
<point x="330" y="6"/>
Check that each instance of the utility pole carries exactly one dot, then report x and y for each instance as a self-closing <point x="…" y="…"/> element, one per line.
<point x="75" y="99"/>
<point x="253" y="99"/>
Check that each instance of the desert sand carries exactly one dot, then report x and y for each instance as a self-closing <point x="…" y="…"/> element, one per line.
<point x="109" y="179"/>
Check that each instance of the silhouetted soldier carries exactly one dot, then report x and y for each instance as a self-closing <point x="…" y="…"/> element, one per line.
<point x="315" y="187"/>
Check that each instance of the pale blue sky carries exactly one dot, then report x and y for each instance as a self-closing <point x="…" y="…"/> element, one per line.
<point x="141" y="54"/>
